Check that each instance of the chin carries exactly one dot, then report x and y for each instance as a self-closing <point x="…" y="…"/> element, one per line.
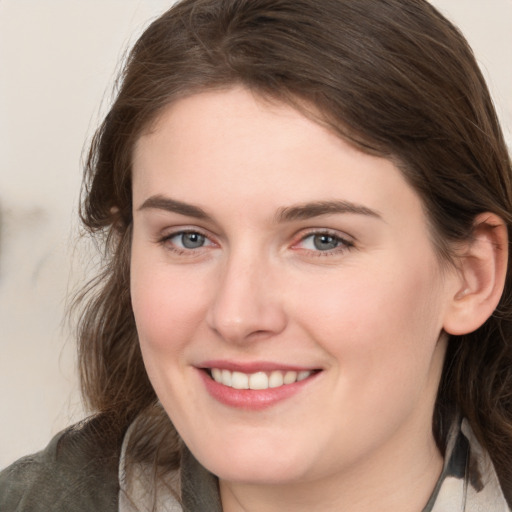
<point x="244" y="473"/>
<point x="256" y="465"/>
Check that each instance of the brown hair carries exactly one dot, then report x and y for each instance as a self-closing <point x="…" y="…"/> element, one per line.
<point x="396" y="79"/>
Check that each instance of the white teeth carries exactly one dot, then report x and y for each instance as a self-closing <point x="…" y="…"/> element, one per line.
<point x="239" y="380"/>
<point x="275" y="380"/>
<point x="226" y="378"/>
<point x="290" y="377"/>
<point x="258" y="380"/>
<point x="303" y="375"/>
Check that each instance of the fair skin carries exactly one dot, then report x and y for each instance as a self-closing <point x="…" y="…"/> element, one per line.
<point x="265" y="244"/>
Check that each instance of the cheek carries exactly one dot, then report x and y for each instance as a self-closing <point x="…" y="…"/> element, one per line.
<point x="167" y="305"/>
<point x="378" y="325"/>
<point x="385" y="343"/>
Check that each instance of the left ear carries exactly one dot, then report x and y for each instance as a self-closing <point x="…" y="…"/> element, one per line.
<point x="482" y="267"/>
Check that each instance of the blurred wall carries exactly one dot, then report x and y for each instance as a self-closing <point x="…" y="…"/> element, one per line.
<point x="57" y="64"/>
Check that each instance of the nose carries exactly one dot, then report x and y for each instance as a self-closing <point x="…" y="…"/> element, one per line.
<point x="247" y="302"/>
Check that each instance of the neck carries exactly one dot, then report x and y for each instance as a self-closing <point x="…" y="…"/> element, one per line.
<point x="401" y="480"/>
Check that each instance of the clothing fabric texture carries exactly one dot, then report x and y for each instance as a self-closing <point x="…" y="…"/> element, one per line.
<point x="84" y="469"/>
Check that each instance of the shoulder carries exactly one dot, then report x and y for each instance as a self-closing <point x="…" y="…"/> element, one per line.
<point x="76" y="472"/>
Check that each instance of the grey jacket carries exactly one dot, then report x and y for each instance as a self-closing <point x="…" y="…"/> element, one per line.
<point x="77" y="472"/>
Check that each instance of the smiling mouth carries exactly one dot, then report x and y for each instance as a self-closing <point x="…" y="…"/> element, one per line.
<point x="258" y="380"/>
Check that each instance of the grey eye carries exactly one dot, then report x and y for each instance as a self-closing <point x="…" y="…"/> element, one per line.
<point x="192" y="240"/>
<point x="325" y="242"/>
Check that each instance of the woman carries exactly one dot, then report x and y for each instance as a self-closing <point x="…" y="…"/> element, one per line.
<point x="305" y="302"/>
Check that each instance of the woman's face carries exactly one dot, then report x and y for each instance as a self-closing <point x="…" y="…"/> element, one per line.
<point x="269" y="253"/>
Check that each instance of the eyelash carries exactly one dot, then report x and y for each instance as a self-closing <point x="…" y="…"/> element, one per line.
<point x="343" y="244"/>
<point x="166" y="241"/>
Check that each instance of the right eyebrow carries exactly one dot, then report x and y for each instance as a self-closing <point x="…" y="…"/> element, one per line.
<point x="159" y="202"/>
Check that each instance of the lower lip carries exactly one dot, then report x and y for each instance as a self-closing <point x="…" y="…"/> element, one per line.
<point x="253" y="399"/>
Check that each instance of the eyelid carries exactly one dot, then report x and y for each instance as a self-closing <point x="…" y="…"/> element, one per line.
<point x="346" y="242"/>
<point x="165" y="237"/>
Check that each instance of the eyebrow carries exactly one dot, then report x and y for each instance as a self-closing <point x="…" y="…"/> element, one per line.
<point x="286" y="214"/>
<point x="171" y="205"/>
<point x="318" y="208"/>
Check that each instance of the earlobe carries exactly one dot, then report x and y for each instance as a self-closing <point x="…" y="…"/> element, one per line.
<point x="482" y="272"/>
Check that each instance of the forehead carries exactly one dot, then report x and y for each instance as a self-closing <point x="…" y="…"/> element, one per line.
<point x="235" y="147"/>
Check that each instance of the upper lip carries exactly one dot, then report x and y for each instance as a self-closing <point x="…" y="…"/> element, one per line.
<point x="253" y="366"/>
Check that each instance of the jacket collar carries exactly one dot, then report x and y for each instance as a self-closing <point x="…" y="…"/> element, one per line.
<point x="468" y="482"/>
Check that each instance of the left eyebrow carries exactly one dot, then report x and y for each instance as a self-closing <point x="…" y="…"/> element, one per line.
<point x="316" y="209"/>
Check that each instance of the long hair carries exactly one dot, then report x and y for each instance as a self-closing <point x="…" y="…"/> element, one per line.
<point x="392" y="77"/>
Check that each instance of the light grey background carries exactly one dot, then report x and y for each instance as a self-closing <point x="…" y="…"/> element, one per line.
<point x="57" y="64"/>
